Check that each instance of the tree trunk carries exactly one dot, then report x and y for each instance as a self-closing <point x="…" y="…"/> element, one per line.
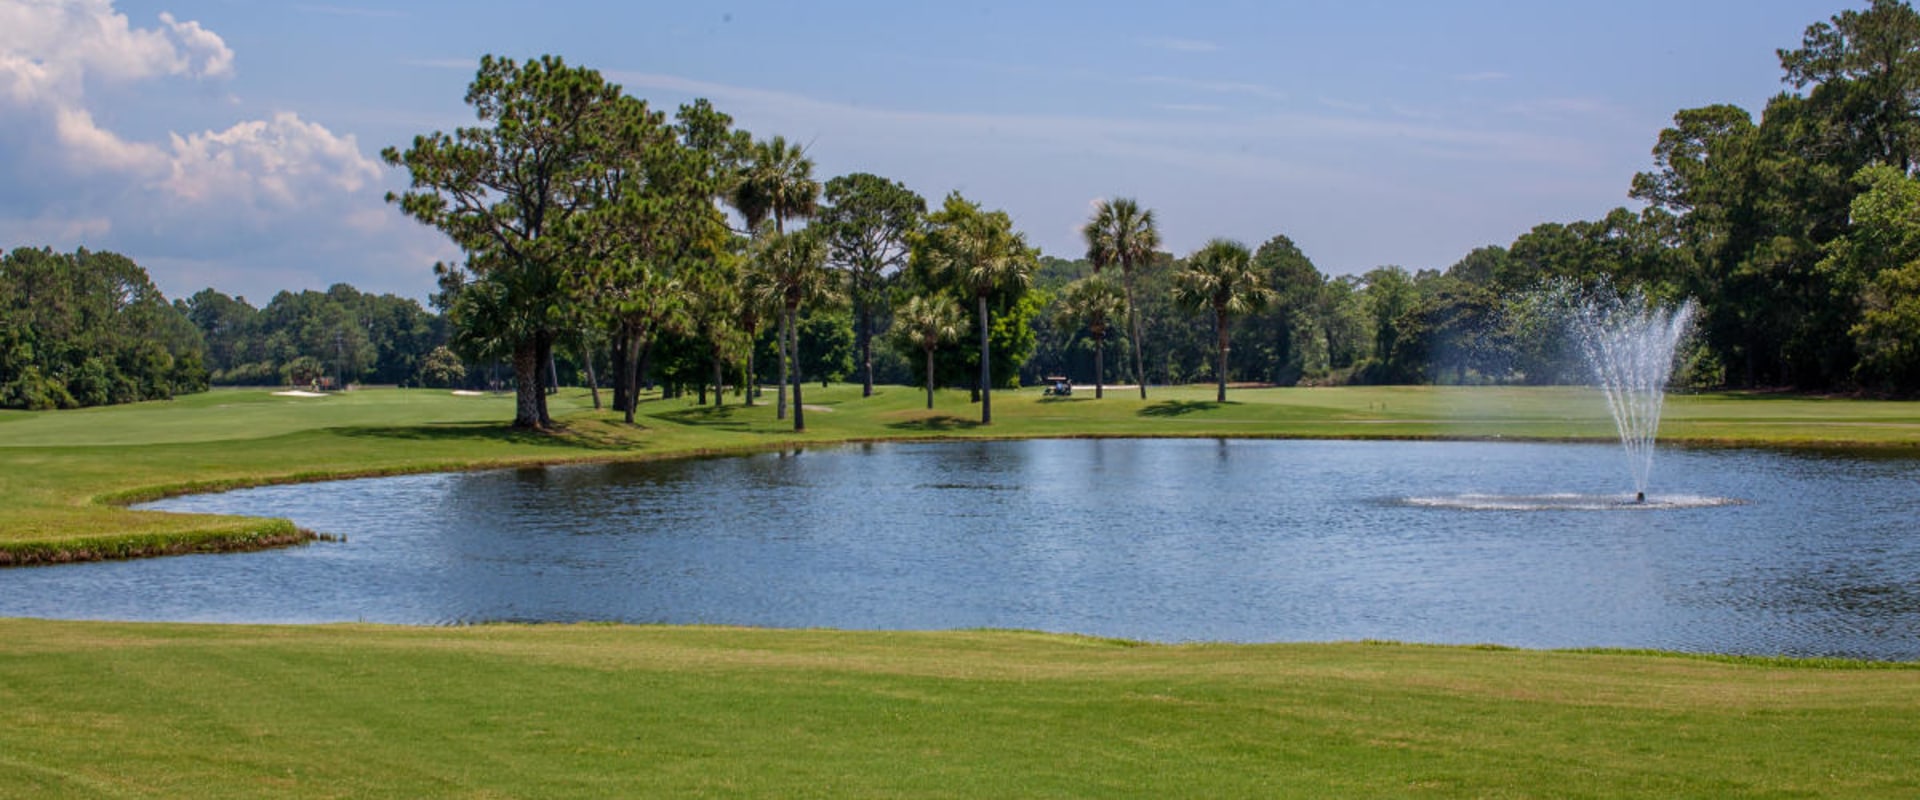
<point x="643" y="352"/>
<point x="929" y="379"/>
<point x="1133" y="330"/>
<point x="630" y="378"/>
<point x="1139" y="359"/>
<point x="866" y="350"/>
<point x="1099" y="364"/>
<point x="799" y="411"/>
<point x="753" y="379"/>
<point x="593" y="381"/>
<point x="618" y="355"/>
<point x="719" y="378"/>
<point x="543" y="356"/>
<point x="780" y="346"/>
<point x="1220" y="324"/>
<point x="986" y="367"/>
<point x="553" y="370"/>
<point x="526" y="385"/>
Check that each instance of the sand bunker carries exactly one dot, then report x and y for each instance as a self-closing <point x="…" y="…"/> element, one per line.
<point x="298" y="393"/>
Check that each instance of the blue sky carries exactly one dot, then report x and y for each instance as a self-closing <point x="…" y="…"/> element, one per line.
<point x="235" y="144"/>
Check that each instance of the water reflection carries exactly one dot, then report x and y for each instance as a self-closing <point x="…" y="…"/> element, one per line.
<point x="1165" y="540"/>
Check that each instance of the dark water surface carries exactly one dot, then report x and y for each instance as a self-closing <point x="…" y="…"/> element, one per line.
<point x="1739" y="551"/>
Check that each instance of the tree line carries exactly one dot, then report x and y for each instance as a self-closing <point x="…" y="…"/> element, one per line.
<point x="87" y="329"/>
<point x="607" y="243"/>
<point x="1798" y="234"/>
<point x="334" y="338"/>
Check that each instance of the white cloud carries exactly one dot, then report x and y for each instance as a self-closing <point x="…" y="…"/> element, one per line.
<point x="276" y="160"/>
<point x="268" y="197"/>
<point x="217" y="61"/>
<point x="51" y="50"/>
<point x="89" y="148"/>
<point x="58" y="45"/>
<point x="22" y="80"/>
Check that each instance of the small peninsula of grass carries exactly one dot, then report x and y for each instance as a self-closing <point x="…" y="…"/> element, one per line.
<point x="166" y="710"/>
<point x="64" y="476"/>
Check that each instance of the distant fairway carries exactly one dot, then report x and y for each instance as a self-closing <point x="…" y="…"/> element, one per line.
<point x="228" y="414"/>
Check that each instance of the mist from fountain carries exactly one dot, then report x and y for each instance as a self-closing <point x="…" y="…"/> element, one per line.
<point x="1629" y="342"/>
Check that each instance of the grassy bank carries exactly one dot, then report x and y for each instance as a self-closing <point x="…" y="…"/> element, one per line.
<point x="96" y="709"/>
<point x="63" y="474"/>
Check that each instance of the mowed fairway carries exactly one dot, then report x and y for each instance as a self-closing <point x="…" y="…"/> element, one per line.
<point x="102" y="709"/>
<point x="115" y="709"/>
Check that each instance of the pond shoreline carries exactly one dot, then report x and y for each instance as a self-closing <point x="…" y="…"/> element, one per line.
<point x="359" y="438"/>
<point x="272" y="533"/>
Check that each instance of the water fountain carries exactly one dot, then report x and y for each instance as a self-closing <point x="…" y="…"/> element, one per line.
<point x="1629" y="343"/>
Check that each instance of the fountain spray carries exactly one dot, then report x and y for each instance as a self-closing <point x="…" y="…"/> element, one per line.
<point x="1629" y="343"/>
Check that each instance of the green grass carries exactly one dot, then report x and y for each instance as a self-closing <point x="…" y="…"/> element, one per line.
<point x="100" y="709"/>
<point x="110" y="709"/>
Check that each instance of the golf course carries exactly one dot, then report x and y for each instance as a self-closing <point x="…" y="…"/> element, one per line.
<point x="150" y="709"/>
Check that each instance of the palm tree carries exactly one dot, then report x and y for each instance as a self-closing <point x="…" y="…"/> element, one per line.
<point x="980" y="254"/>
<point x="1220" y="277"/>
<point x="1091" y="301"/>
<point x="777" y="184"/>
<point x="1121" y="233"/>
<point x="757" y="304"/>
<point x="794" y="275"/>
<point x="927" y="323"/>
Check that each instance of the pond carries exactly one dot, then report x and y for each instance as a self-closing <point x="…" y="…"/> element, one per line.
<point x="1531" y="545"/>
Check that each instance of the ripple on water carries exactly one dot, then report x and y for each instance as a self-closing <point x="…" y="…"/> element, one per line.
<point x="1568" y="501"/>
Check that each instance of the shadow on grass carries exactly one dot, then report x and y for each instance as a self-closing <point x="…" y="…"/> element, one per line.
<point x="576" y="436"/>
<point x="1178" y="408"/>
<point x="939" y="423"/>
<point x="705" y="417"/>
<point x="724" y="418"/>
